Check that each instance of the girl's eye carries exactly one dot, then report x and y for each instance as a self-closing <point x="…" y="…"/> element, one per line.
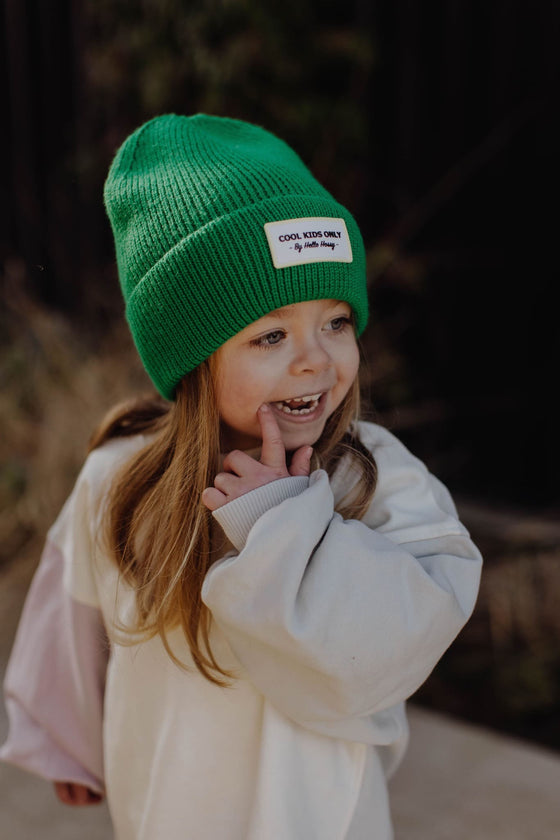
<point x="340" y="323"/>
<point x="269" y="340"/>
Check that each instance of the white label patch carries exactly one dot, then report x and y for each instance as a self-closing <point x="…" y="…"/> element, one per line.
<point x="300" y="241"/>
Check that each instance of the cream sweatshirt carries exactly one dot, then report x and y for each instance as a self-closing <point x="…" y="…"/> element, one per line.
<point x="329" y="626"/>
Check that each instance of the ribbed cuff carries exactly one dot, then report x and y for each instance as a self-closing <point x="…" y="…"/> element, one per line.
<point x="238" y="517"/>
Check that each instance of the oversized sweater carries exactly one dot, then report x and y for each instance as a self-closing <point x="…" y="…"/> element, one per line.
<point x="329" y="625"/>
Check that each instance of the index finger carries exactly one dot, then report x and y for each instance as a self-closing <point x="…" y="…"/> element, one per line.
<point x="273" y="452"/>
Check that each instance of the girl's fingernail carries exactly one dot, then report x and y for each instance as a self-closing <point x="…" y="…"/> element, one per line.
<point x="264" y="407"/>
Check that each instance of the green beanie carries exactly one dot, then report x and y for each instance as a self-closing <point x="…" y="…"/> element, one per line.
<point x="216" y="223"/>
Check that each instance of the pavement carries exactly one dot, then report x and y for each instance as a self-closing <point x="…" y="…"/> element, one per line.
<point x="457" y="781"/>
<point x="463" y="782"/>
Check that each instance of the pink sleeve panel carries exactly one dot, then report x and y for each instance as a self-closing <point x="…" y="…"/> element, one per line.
<point x="55" y="682"/>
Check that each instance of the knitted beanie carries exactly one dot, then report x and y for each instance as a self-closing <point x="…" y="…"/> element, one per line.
<point x="216" y="223"/>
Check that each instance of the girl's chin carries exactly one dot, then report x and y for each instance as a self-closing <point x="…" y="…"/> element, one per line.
<point x="308" y="435"/>
<point x="233" y="439"/>
<point x="238" y="440"/>
<point x="293" y="442"/>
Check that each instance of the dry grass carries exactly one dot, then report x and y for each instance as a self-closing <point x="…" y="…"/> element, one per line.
<point x="55" y="387"/>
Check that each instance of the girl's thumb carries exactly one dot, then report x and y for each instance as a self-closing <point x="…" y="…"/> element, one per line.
<point x="301" y="461"/>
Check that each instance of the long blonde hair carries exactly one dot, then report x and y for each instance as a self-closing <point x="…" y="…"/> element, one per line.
<point x="159" y="532"/>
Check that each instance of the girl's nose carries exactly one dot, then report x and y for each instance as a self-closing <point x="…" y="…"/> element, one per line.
<point x="312" y="357"/>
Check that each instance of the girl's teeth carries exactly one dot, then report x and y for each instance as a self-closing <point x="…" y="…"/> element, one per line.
<point x="311" y="402"/>
<point x="287" y="410"/>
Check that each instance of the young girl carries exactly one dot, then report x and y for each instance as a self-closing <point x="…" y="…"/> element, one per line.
<point x="246" y="582"/>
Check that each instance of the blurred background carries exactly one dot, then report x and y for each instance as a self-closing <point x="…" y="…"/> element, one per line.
<point x="434" y="123"/>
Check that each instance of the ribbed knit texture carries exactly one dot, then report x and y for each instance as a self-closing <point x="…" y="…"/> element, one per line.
<point x="188" y="198"/>
<point x="238" y="516"/>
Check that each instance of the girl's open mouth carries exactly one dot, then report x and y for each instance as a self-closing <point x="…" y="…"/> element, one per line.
<point x="299" y="406"/>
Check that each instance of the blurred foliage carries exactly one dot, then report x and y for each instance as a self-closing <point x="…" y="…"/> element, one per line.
<point x="56" y="382"/>
<point x="298" y="68"/>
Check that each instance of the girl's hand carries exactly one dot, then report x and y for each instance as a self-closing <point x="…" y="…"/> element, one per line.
<point x="243" y="473"/>
<point x="72" y="793"/>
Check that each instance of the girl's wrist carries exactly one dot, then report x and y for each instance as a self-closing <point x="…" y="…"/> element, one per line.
<point x="238" y="516"/>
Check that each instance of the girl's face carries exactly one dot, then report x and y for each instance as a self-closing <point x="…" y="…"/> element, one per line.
<point x="301" y="360"/>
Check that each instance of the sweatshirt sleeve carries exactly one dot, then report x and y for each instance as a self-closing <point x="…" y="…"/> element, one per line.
<point x="54" y="683"/>
<point x="339" y="621"/>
